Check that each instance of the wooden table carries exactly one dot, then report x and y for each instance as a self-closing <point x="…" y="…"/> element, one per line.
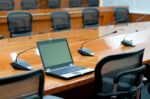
<point x="102" y="47"/>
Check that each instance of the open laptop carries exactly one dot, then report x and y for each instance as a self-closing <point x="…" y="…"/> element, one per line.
<point x="57" y="59"/>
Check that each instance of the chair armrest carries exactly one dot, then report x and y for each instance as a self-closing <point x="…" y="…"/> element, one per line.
<point x="132" y="71"/>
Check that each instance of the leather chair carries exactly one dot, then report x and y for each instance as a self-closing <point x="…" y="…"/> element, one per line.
<point x="90" y="17"/>
<point x="60" y="20"/>
<point x="75" y="3"/>
<point x="6" y="5"/>
<point x="121" y="15"/>
<point x="29" y="4"/>
<point x="53" y="3"/>
<point x="19" y="24"/>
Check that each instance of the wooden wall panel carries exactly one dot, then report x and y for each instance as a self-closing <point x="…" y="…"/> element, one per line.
<point x="139" y="17"/>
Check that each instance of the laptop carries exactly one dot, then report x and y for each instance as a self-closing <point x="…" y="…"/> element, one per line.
<point x="57" y="59"/>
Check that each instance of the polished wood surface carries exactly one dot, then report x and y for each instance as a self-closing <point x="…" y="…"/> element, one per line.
<point x="102" y="47"/>
<point x="42" y="19"/>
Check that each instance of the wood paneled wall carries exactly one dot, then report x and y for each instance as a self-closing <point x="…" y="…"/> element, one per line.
<point x="139" y="17"/>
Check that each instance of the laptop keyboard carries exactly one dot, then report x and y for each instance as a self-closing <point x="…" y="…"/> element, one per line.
<point x="68" y="69"/>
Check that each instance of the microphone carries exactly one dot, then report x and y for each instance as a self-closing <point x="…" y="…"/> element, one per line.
<point x="127" y="42"/>
<point x="21" y="64"/>
<point x="88" y="52"/>
<point x="140" y="19"/>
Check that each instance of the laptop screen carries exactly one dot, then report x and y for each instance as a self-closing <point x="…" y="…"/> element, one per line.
<point x="54" y="53"/>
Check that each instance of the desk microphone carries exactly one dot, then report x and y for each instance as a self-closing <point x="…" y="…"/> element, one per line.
<point x="21" y="64"/>
<point x="88" y="52"/>
<point x="127" y="42"/>
<point x="139" y="19"/>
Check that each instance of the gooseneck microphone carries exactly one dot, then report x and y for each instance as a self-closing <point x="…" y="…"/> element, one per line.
<point x="88" y="52"/>
<point x="127" y="42"/>
<point x="21" y="64"/>
<point x="140" y="19"/>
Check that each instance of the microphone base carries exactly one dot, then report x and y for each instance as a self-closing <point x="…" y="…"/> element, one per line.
<point x="21" y="65"/>
<point x="86" y="52"/>
<point x="127" y="43"/>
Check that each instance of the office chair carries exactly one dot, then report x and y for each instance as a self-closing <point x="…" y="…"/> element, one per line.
<point x="29" y="4"/>
<point x="19" y="24"/>
<point x="75" y="3"/>
<point x="29" y="85"/>
<point x="60" y="20"/>
<point x="6" y="5"/>
<point x="90" y="17"/>
<point x="119" y="76"/>
<point x="53" y="3"/>
<point x="93" y="3"/>
<point x="121" y="15"/>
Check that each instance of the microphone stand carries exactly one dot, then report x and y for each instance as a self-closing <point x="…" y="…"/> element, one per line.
<point x="127" y="42"/>
<point x="139" y="19"/>
<point x="21" y="64"/>
<point x="88" y="52"/>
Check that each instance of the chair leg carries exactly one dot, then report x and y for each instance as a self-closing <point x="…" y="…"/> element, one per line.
<point x="138" y="95"/>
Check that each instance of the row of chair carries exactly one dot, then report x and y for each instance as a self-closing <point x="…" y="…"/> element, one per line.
<point x="123" y="79"/>
<point x="20" y="23"/>
<point x="33" y="4"/>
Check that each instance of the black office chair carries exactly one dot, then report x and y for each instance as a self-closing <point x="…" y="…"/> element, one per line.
<point x="121" y="15"/>
<point x="90" y="17"/>
<point x="60" y="20"/>
<point x="29" y="85"/>
<point x="19" y="24"/>
<point x="119" y="76"/>
<point x="29" y="4"/>
<point x="93" y="3"/>
<point x="53" y="3"/>
<point x="75" y="3"/>
<point x="6" y="5"/>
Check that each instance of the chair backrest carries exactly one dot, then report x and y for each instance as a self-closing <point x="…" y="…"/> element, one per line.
<point x="90" y="17"/>
<point x="23" y="86"/>
<point x="6" y="5"/>
<point x="111" y="65"/>
<point x="53" y="3"/>
<point x="121" y="15"/>
<point x="19" y="23"/>
<point x="60" y="20"/>
<point x="93" y="3"/>
<point x="29" y="4"/>
<point x="75" y="3"/>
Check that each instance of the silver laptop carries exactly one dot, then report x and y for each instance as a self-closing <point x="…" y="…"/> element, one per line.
<point x="57" y="59"/>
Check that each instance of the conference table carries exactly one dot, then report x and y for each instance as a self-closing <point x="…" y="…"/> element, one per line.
<point x="106" y="45"/>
